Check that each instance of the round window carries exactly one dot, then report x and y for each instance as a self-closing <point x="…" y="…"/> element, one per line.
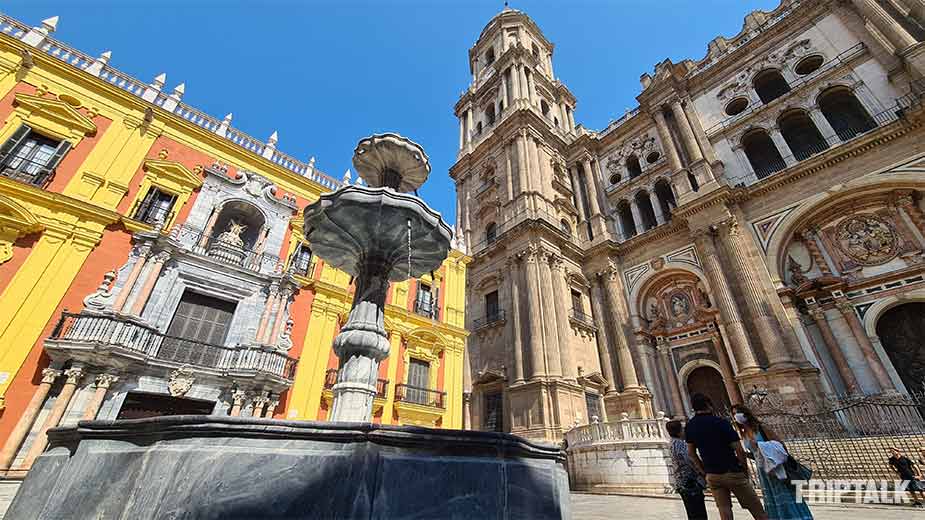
<point x="615" y="178"/>
<point x="808" y="65"/>
<point x="653" y="157"/>
<point x="736" y="106"/>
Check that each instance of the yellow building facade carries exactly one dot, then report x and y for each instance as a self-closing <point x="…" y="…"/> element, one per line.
<point x="152" y="263"/>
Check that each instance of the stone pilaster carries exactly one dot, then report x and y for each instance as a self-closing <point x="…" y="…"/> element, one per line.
<point x="534" y="311"/>
<point x="664" y="135"/>
<point x="514" y="282"/>
<point x="238" y="398"/>
<point x="27" y="419"/>
<point x="867" y="348"/>
<point x="103" y="382"/>
<point x="603" y="338"/>
<point x="73" y="376"/>
<point x="835" y="351"/>
<point x="560" y="296"/>
<point x="669" y="374"/>
<point x="550" y="328"/>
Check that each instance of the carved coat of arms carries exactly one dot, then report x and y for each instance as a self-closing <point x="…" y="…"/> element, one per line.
<point x="867" y="239"/>
<point x="180" y="382"/>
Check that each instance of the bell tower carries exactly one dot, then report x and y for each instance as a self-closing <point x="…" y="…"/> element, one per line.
<point x="534" y="368"/>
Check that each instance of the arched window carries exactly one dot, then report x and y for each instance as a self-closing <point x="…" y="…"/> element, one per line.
<point x="633" y="166"/>
<point x="801" y="134"/>
<point x="646" y="211"/>
<point x="491" y="233"/>
<point x="770" y="85"/>
<point x="665" y="197"/>
<point x="565" y="227"/>
<point x="478" y="128"/>
<point x="762" y="154"/>
<point x="490" y="56"/>
<point x="692" y="181"/>
<point x="845" y="113"/>
<point x="544" y="107"/>
<point x="490" y="114"/>
<point x="627" y="225"/>
<point x="301" y="260"/>
<point x="536" y="51"/>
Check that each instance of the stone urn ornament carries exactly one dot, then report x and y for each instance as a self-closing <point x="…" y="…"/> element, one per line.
<point x="378" y="233"/>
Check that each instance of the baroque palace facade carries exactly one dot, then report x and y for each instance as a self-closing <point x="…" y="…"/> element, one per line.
<point x="756" y="223"/>
<point x="152" y="262"/>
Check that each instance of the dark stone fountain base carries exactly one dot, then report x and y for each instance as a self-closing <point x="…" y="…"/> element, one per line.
<point x="196" y="467"/>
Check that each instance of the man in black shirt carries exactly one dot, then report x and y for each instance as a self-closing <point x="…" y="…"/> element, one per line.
<point x="715" y="450"/>
<point x="908" y="472"/>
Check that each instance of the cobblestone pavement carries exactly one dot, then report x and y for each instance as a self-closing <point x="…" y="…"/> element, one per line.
<point x="612" y="507"/>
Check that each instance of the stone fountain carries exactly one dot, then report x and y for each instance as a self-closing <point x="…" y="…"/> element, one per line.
<point x="220" y="467"/>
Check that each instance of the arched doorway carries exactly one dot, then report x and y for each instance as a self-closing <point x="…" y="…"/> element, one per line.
<point x="902" y="333"/>
<point x="708" y="381"/>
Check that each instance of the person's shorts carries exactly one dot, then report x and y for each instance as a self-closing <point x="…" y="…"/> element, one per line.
<point x="916" y="485"/>
<point x="724" y="485"/>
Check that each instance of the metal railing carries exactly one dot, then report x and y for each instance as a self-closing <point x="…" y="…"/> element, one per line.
<point x="624" y="430"/>
<point x="425" y="308"/>
<point x="26" y="171"/>
<point x="419" y="395"/>
<point x="110" y="331"/>
<point x="194" y="240"/>
<point x="330" y="379"/>
<point x="581" y="317"/>
<point x="492" y="317"/>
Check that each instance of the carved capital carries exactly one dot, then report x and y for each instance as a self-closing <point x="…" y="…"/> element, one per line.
<point x="105" y="380"/>
<point x="161" y="257"/>
<point x="845" y="307"/>
<point x="816" y="313"/>
<point x="902" y="199"/>
<point x="49" y="375"/>
<point x="238" y="397"/>
<point x="73" y="375"/>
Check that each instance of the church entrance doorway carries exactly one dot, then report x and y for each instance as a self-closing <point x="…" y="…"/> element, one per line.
<point x="902" y="333"/>
<point x="708" y="381"/>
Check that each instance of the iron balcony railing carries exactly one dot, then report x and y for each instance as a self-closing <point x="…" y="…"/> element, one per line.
<point x="110" y="331"/>
<point x="490" y="318"/>
<point x="26" y="171"/>
<point x="330" y="379"/>
<point x="197" y="242"/>
<point x="581" y="317"/>
<point x="419" y="395"/>
<point x="425" y="308"/>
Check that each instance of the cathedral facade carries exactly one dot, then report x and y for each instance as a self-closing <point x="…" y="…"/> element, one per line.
<point x="755" y="224"/>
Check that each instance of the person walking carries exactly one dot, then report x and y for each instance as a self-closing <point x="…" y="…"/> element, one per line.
<point x="714" y="449"/>
<point x="770" y="455"/>
<point x="687" y="481"/>
<point x="908" y="472"/>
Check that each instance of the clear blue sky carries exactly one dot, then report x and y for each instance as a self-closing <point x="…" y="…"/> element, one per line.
<point x="325" y="74"/>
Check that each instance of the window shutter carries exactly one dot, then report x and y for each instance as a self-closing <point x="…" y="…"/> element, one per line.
<point x="45" y="173"/>
<point x="14" y="141"/>
<point x="145" y="204"/>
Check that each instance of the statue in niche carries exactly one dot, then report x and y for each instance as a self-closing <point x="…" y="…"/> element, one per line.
<point x="680" y="305"/>
<point x="703" y="297"/>
<point x="232" y="235"/>
<point x="797" y="277"/>
<point x="655" y="313"/>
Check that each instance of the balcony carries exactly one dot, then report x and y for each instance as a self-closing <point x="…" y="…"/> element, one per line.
<point x="420" y="396"/>
<point x="425" y="308"/>
<point x="330" y="379"/>
<point x="201" y="244"/>
<point x="492" y="318"/>
<point x="26" y="171"/>
<point x="110" y="340"/>
<point x="580" y="319"/>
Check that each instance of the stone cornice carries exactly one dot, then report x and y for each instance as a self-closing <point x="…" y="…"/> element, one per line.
<point x="57" y="202"/>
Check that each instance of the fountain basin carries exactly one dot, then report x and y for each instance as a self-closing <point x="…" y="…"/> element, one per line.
<point x="219" y="467"/>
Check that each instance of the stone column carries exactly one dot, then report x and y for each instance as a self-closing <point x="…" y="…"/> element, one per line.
<point x="509" y="170"/>
<point x="867" y="348"/>
<point x="579" y="201"/>
<point x="522" y="79"/>
<point x="157" y="264"/>
<point x="687" y="133"/>
<point x="504" y="95"/>
<point x="73" y="376"/>
<point x="766" y="325"/>
<point x="664" y="135"/>
<point x="531" y="88"/>
<point x="27" y="419"/>
<point x="781" y="144"/>
<point x="271" y="406"/>
<point x="916" y="9"/>
<point x="800" y="321"/>
<point x="890" y="28"/>
<point x="237" y="402"/>
<point x="708" y="153"/>
<point x="637" y="217"/>
<point x="825" y="128"/>
<point x="559" y="296"/>
<point x="283" y="299"/>
<point x="729" y="381"/>
<point x="130" y="281"/>
<point x="571" y="117"/>
<point x="469" y="125"/>
<point x="553" y="343"/>
<point x="103" y="382"/>
<point x="808" y="236"/>
<point x="835" y="351"/>
<point x="656" y="206"/>
<point x="592" y="185"/>
<point x="534" y="312"/>
<point x="743" y="160"/>
<point x="267" y="310"/>
<point x="259" y="403"/>
<point x="603" y="340"/>
<point x="729" y="312"/>
<point x="619" y="316"/>
<point x="207" y="231"/>
<point x="515" y="279"/>
<point x="677" y="402"/>
<point x="462" y="133"/>
<point x="523" y="172"/>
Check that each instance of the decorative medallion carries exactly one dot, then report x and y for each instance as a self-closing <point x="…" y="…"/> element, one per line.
<point x="180" y="381"/>
<point x="867" y="239"/>
<point x="657" y="263"/>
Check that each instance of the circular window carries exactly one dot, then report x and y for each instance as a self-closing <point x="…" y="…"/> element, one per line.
<point x="736" y="106"/>
<point x="653" y="157"/>
<point x="615" y="178"/>
<point x="808" y="65"/>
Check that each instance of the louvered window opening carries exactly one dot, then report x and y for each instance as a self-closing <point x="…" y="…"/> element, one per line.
<point x="200" y="323"/>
